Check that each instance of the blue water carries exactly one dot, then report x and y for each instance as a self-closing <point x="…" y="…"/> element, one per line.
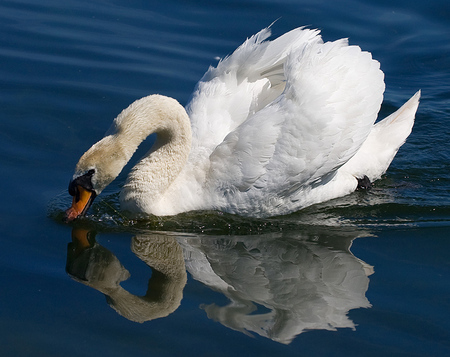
<point x="365" y="275"/>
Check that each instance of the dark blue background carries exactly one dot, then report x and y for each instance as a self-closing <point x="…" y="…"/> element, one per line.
<point x="67" y="68"/>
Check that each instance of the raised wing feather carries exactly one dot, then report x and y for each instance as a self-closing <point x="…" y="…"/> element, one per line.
<point x="331" y="98"/>
<point x="241" y="85"/>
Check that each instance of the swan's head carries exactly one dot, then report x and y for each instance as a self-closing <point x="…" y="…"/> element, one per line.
<point x="102" y="163"/>
<point x="97" y="168"/>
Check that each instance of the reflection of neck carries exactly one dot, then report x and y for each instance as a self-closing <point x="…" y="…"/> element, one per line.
<point x="165" y="288"/>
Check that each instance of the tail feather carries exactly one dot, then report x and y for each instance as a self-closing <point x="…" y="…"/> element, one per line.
<point x="381" y="146"/>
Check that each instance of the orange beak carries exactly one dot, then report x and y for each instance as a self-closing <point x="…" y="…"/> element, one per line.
<point x="80" y="203"/>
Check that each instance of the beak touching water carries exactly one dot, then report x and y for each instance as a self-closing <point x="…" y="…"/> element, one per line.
<point x="82" y="200"/>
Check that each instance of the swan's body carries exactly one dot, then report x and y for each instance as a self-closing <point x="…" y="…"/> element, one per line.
<point x="276" y="127"/>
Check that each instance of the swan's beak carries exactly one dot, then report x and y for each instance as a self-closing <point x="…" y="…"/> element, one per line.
<point x="82" y="200"/>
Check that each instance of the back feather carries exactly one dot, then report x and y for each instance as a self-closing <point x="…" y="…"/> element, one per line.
<point x="332" y="94"/>
<point x="386" y="137"/>
<point x="240" y="85"/>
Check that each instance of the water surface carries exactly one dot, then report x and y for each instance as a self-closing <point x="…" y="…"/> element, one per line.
<point x="363" y="275"/>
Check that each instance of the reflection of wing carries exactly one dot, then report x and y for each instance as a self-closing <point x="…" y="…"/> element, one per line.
<point x="198" y="265"/>
<point x="305" y="285"/>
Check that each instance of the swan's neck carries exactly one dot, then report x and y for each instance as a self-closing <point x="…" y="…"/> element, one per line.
<point x="152" y="176"/>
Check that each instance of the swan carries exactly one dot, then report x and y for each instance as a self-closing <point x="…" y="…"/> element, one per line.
<point x="275" y="127"/>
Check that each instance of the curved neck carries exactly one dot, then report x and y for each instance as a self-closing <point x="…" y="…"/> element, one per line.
<point x="165" y="287"/>
<point x="151" y="176"/>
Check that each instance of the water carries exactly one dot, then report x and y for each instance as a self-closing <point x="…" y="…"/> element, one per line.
<point x="363" y="275"/>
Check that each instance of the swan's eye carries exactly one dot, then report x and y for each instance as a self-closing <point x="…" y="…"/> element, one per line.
<point x="84" y="181"/>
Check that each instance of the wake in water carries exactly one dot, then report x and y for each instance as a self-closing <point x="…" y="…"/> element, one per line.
<point x="379" y="207"/>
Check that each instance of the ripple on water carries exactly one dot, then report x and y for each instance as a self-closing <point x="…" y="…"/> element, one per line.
<point x="360" y="209"/>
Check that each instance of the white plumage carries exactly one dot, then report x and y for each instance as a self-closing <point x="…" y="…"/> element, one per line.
<point x="275" y="127"/>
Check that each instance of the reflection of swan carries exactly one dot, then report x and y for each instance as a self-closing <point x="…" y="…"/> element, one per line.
<point x="301" y="281"/>
<point x="93" y="265"/>
<point x="277" y="126"/>
<point x="301" y="284"/>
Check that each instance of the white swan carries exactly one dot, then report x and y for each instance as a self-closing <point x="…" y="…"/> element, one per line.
<point x="275" y="127"/>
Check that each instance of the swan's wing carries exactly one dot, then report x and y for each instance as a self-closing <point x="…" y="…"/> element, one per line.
<point x="240" y="85"/>
<point x="332" y="96"/>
